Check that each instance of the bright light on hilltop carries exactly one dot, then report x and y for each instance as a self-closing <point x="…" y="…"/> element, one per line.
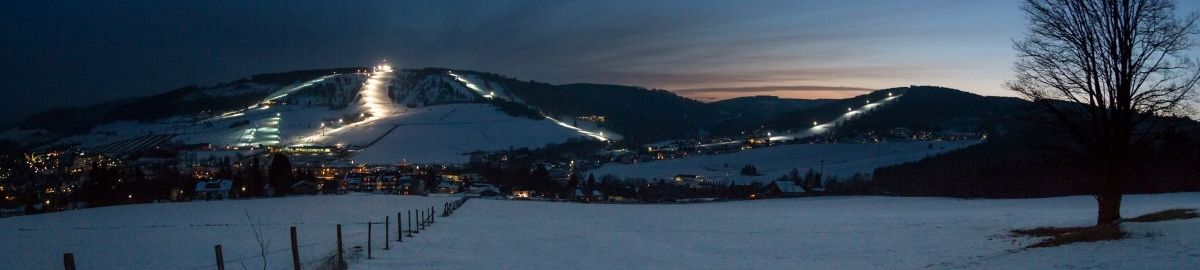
<point x="384" y="67"/>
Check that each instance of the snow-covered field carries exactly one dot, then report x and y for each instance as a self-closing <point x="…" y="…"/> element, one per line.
<point x="840" y="159"/>
<point x="802" y="233"/>
<point x="182" y="235"/>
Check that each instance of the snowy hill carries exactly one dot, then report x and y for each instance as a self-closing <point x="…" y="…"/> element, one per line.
<point x="444" y="133"/>
<point x="382" y="116"/>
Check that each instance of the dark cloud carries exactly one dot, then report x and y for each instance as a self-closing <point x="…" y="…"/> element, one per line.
<point x="765" y="89"/>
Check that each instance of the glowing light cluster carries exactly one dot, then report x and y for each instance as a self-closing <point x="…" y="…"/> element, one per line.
<point x="472" y="86"/>
<point x="375" y="101"/>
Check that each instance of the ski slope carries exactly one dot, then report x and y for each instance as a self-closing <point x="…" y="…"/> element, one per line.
<point x="251" y="126"/>
<point x="801" y="233"/>
<point x="840" y="159"/>
<point x="445" y="133"/>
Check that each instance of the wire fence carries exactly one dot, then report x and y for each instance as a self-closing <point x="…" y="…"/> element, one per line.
<point x="358" y="237"/>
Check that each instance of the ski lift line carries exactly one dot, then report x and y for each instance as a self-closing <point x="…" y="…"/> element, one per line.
<point x="471" y="86"/>
<point x="820" y="128"/>
<point x="492" y="94"/>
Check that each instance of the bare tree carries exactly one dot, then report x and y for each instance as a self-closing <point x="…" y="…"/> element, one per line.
<point x="263" y="243"/>
<point x="1104" y="72"/>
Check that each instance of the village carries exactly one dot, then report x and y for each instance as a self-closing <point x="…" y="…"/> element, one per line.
<point x="150" y="169"/>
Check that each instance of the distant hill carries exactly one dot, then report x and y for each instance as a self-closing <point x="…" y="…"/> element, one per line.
<point x="189" y="99"/>
<point x="641" y="115"/>
<point x="768" y="106"/>
<point x="753" y="112"/>
<point x="917" y="107"/>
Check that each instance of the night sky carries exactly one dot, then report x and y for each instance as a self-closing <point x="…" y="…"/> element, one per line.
<point x="58" y="53"/>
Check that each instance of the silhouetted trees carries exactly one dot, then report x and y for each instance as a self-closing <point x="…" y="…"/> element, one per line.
<point x="280" y="174"/>
<point x="1102" y="71"/>
<point x="749" y="170"/>
<point x="256" y="184"/>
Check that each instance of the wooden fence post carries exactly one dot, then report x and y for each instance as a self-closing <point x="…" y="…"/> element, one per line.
<point x="368" y="239"/>
<point x="69" y="261"/>
<point x="341" y="259"/>
<point x="220" y="258"/>
<point x="387" y="234"/>
<point x="295" y="251"/>
<point x="399" y="228"/>
<point x="410" y="225"/>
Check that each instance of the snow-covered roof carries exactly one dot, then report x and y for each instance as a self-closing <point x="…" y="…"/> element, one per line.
<point x="579" y="192"/>
<point x="214" y="185"/>
<point x="788" y="186"/>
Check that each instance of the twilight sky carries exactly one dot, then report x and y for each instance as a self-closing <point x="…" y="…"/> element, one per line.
<point x="58" y="53"/>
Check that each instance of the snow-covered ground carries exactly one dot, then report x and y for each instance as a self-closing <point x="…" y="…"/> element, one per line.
<point x="182" y="235"/>
<point x="809" y="233"/>
<point x="840" y="159"/>
<point x="802" y="233"/>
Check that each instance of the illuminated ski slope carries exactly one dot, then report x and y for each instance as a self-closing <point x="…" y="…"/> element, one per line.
<point x="821" y="128"/>
<point x="489" y="94"/>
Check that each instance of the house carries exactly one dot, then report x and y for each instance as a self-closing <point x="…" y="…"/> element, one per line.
<point x="594" y="197"/>
<point x="305" y="187"/>
<point x="690" y="180"/>
<point x="213" y="189"/>
<point x="447" y="187"/>
<point x="409" y="185"/>
<point x="478" y="189"/>
<point x="521" y="193"/>
<point x="784" y="188"/>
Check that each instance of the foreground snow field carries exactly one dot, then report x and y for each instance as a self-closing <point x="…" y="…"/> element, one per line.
<point x="802" y="233"/>
<point x="182" y="235"/>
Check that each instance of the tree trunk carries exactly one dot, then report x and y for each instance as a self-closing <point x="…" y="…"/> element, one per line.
<point x="1110" y="208"/>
